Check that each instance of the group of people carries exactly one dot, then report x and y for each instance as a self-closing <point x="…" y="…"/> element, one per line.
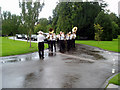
<point x="64" y="42"/>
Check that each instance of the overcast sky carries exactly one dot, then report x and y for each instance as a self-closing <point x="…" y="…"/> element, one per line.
<point x="13" y="7"/>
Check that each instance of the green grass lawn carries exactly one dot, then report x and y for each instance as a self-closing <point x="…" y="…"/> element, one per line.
<point x="14" y="47"/>
<point x="106" y="45"/>
<point x="115" y="80"/>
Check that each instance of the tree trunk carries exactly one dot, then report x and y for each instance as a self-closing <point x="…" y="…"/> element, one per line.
<point x="30" y="38"/>
<point x="30" y="41"/>
<point x="14" y="38"/>
<point x="27" y="38"/>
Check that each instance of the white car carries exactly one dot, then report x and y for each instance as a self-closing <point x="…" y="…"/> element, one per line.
<point x="19" y="36"/>
<point x="26" y="37"/>
<point x="34" y="37"/>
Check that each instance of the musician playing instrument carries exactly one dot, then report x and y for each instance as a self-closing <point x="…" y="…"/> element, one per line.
<point x="61" y="41"/>
<point x="54" y="41"/>
<point x="50" y="39"/>
<point x="74" y="30"/>
<point x="69" y="41"/>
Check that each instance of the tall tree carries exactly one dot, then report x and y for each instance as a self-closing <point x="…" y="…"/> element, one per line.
<point x="119" y="25"/>
<point x="105" y="21"/>
<point x="6" y="23"/>
<point x="66" y="15"/>
<point x="30" y="13"/>
<point x="43" y="23"/>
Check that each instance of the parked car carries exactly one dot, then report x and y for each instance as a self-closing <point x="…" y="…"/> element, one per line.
<point x="26" y="37"/>
<point x="19" y="36"/>
<point x="34" y="37"/>
<point x="23" y="36"/>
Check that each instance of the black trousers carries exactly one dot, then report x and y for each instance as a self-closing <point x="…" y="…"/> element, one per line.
<point x="50" y="45"/>
<point x="41" y="49"/>
<point x="58" y="43"/>
<point x="69" y="45"/>
<point x="73" y="43"/>
<point x="62" y="46"/>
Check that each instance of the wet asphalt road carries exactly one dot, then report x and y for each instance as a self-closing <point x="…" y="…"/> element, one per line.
<point x="68" y="70"/>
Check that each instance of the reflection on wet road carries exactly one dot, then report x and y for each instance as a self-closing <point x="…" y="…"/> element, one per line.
<point x="77" y="69"/>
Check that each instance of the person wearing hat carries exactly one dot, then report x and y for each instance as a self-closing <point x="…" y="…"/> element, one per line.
<point x="61" y="41"/>
<point x="40" y="40"/>
<point x="50" y="39"/>
<point x="54" y="38"/>
<point x="69" y="41"/>
<point x="74" y="30"/>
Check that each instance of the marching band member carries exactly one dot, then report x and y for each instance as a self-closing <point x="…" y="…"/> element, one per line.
<point x="57" y="37"/>
<point x="61" y="40"/>
<point x="74" y="30"/>
<point x="68" y="38"/>
<point x="50" y="37"/>
<point x="40" y="40"/>
<point x="54" y="41"/>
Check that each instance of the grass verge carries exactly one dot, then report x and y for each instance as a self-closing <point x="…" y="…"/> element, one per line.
<point x="14" y="47"/>
<point x="115" y="80"/>
<point x="106" y="45"/>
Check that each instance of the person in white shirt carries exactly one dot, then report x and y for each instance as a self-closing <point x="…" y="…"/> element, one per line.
<point x="54" y="38"/>
<point x="50" y="39"/>
<point x="61" y="40"/>
<point x="69" y="41"/>
<point x="57" y="38"/>
<point x="40" y="40"/>
<point x="74" y="30"/>
<point x="73" y="39"/>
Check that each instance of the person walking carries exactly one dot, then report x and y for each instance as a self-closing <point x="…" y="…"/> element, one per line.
<point x="40" y="40"/>
<point x="50" y="39"/>
<point x="57" y="38"/>
<point x="54" y="41"/>
<point x="69" y="41"/>
<point x="61" y="40"/>
<point x="74" y="30"/>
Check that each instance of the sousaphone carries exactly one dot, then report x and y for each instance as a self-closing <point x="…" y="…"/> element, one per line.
<point x="74" y="29"/>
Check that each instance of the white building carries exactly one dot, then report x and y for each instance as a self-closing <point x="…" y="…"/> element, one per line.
<point x="119" y="8"/>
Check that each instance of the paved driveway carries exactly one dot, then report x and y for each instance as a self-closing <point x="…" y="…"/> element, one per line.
<point x="58" y="70"/>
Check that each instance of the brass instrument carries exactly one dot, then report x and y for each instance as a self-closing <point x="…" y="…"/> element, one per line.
<point x="51" y="30"/>
<point x="74" y="29"/>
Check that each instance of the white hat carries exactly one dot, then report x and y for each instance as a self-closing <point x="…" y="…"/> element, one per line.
<point x="69" y="32"/>
<point x="40" y="32"/>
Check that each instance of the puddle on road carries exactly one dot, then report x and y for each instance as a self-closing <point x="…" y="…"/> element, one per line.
<point x="31" y="77"/>
<point x="25" y="57"/>
<point x="86" y="52"/>
<point x="70" y="80"/>
<point x="77" y="61"/>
